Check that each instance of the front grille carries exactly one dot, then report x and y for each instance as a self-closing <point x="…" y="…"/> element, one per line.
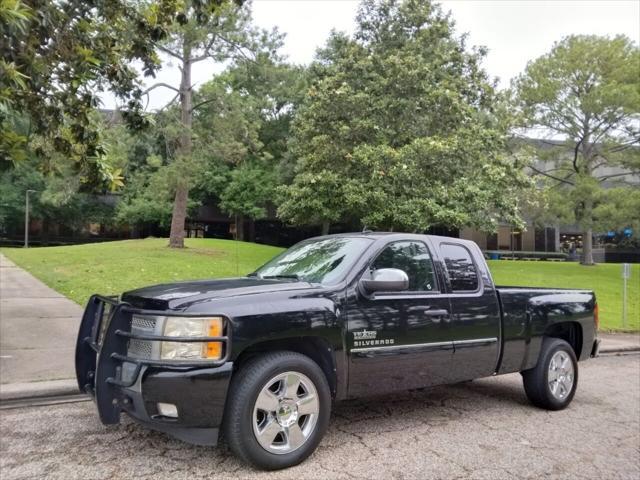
<point x="140" y="349"/>
<point x="142" y="326"/>
<point x="148" y="324"/>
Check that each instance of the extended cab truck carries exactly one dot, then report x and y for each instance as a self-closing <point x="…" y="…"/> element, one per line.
<point x="263" y="357"/>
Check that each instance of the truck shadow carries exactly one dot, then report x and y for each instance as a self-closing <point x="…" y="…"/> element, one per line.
<point x="436" y="403"/>
<point x="434" y="407"/>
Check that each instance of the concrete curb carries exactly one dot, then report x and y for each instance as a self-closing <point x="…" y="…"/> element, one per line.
<point x="620" y="349"/>
<point x="47" y="388"/>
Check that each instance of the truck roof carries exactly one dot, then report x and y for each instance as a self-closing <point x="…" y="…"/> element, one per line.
<point x="399" y="235"/>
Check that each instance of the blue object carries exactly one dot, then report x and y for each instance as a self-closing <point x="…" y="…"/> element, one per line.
<point x="627" y="232"/>
<point x="611" y="234"/>
<point x="494" y="256"/>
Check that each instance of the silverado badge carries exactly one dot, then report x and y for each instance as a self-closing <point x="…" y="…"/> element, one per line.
<point x="365" y="335"/>
<point x="367" y="338"/>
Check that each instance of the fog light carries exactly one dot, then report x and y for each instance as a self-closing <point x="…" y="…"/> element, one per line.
<point x="168" y="410"/>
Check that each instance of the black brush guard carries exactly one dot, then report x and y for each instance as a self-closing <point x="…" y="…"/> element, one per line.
<point x="101" y="351"/>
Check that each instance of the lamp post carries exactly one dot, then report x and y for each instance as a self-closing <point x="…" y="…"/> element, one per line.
<point x="26" y="218"/>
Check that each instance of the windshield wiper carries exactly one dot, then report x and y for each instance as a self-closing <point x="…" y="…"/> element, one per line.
<point x="284" y="275"/>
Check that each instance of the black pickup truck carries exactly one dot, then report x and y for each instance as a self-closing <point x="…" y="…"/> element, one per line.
<point x="263" y="357"/>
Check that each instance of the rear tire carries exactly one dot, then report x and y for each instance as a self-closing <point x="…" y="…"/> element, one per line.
<point x="552" y="383"/>
<point x="277" y="411"/>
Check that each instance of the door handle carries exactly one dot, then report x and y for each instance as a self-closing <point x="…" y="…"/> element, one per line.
<point x="436" y="313"/>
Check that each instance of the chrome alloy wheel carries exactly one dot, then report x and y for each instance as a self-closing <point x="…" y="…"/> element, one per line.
<point x="561" y="375"/>
<point x="285" y="413"/>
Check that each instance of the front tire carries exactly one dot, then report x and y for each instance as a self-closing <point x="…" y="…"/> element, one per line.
<point x="552" y="383"/>
<point x="278" y="410"/>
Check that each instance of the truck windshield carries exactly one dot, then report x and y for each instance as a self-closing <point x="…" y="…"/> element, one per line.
<point x="318" y="261"/>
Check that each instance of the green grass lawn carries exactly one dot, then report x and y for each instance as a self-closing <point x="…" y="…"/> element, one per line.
<point x="113" y="267"/>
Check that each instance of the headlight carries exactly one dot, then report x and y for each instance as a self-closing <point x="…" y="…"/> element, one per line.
<point x="191" y="327"/>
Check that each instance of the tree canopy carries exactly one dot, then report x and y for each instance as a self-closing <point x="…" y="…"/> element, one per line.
<point x="400" y="129"/>
<point x="227" y="35"/>
<point x="59" y="57"/>
<point x="396" y="126"/>
<point x="239" y="133"/>
<point x="585" y="95"/>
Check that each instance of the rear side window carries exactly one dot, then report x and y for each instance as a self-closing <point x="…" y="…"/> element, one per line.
<point x="462" y="271"/>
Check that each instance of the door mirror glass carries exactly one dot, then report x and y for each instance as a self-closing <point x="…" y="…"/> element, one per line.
<point x="386" y="280"/>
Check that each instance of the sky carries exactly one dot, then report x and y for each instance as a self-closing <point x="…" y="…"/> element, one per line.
<point x="514" y="31"/>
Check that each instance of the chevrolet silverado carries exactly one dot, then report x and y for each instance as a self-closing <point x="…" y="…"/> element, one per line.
<point x="261" y="358"/>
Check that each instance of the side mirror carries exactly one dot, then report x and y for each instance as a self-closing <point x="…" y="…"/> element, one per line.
<point x="386" y="280"/>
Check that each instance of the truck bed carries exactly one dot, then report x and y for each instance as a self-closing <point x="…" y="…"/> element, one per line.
<point x="528" y="313"/>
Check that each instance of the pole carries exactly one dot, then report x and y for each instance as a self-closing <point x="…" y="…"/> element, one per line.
<point x="26" y="220"/>
<point x="624" y="304"/>
<point x="626" y="273"/>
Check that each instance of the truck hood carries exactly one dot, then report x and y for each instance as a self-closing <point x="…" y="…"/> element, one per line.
<point x="170" y="296"/>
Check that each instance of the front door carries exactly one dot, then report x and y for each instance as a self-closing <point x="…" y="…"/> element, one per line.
<point x="400" y="340"/>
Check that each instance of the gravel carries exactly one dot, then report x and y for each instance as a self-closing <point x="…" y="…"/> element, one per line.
<point x="482" y="429"/>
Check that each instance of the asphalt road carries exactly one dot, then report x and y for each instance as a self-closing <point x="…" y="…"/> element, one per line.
<point x="483" y="429"/>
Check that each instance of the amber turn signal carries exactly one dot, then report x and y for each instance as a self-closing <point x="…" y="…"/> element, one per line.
<point x="213" y="350"/>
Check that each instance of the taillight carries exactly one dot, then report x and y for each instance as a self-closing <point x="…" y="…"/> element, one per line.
<point x="596" y="317"/>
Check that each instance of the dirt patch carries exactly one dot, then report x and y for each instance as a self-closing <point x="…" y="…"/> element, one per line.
<point x="208" y="252"/>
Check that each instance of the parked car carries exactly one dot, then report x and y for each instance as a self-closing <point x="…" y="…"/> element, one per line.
<point x="262" y="358"/>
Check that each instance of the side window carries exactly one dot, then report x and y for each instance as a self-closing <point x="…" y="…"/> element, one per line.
<point x="462" y="271"/>
<point x="414" y="259"/>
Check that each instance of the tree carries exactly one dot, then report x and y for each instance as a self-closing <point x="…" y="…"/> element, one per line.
<point x="56" y="199"/>
<point x="586" y="92"/>
<point x="147" y="199"/>
<point x="241" y="135"/>
<point x="239" y="141"/>
<point x="226" y="35"/>
<point x="400" y="129"/>
<point x="250" y="188"/>
<point x="146" y="161"/>
<point x="57" y="59"/>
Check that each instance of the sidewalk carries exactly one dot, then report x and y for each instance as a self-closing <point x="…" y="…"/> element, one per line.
<point x="38" y="329"/>
<point x="619" y="342"/>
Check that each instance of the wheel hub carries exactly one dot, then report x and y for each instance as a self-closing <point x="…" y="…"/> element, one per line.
<point x="287" y="413"/>
<point x="560" y="375"/>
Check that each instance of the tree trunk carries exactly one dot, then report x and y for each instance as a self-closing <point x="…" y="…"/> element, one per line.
<point x="179" y="216"/>
<point x="587" y="233"/>
<point x="587" y="214"/>
<point x="240" y="227"/>
<point x="325" y="228"/>
<point x="176" y="239"/>
<point x="587" y="247"/>
<point x="251" y="237"/>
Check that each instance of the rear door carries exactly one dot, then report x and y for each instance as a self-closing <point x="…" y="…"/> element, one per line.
<point x="475" y="320"/>
<point x="400" y="340"/>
